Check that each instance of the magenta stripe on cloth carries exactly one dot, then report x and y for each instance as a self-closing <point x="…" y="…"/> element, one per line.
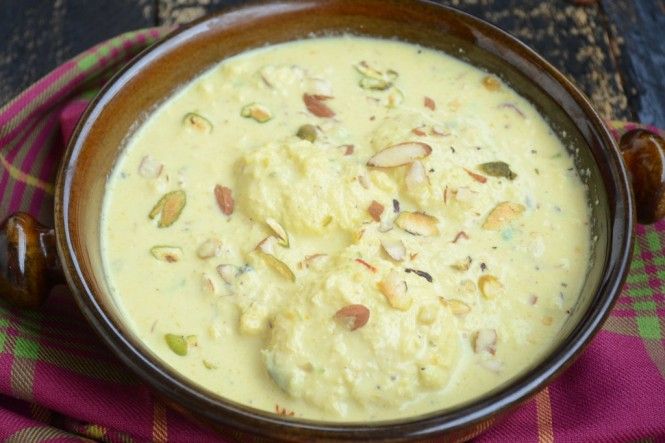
<point x="59" y="383"/>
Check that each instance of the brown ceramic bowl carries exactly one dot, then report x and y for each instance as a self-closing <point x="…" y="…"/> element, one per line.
<point x="159" y="71"/>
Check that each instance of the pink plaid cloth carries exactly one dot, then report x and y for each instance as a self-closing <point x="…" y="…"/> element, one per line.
<point x="59" y="383"/>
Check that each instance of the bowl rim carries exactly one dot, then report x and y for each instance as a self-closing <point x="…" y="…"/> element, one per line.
<point x="233" y="415"/>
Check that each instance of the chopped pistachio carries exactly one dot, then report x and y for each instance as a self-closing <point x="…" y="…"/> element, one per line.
<point x="197" y="122"/>
<point x="307" y="132"/>
<point x="169" y="254"/>
<point x="177" y="343"/>
<point x="377" y="84"/>
<point x="169" y="208"/>
<point x="256" y="111"/>
<point x="282" y="235"/>
<point x="278" y="266"/>
<point x="498" y="169"/>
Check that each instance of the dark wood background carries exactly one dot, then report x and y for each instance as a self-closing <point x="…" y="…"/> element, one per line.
<point x="613" y="49"/>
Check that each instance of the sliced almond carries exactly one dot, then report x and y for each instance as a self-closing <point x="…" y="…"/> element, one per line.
<point x="395" y="97"/>
<point x="462" y="265"/>
<point x="491" y="83"/>
<point x="315" y="105"/>
<point x="416" y="176"/>
<point x="394" y="289"/>
<point x="394" y="248"/>
<point x="456" y="307"/>
<point x="477" y="177"/>
<point x="224" y="198"/>
<point x="386" y="224"/>
<point x="418" y="223"/>
<point x="353" y="316"/>
<point x="282" y="235"/>
<point x="400" y="154"/>
<point x="150" y="168"/>
<point x="278" y="266"/>
<point x="169" y="254"/>
<point x="484" y="340"/>
<point x="364" y="181"/>
<point x="169" y="208"/>
<point x="502" y="214"/>
<point x="207" y="284"/>
<point x="197" y="122"/>
<point x="490" y="286"/>
<point x="267" y="245"/>
<point x="227" y="272"/>
<point x="257" y="112"/>
<point x="429" y="103"/>
<point x="372" y="268"/>
<point x="312" y="260"/>
<point x="209" y="248"/>
<point x="375" y="210"/>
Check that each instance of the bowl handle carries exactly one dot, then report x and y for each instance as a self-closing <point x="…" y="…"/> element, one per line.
<point x="29" y="264"/>
<point x="644" y="154"/>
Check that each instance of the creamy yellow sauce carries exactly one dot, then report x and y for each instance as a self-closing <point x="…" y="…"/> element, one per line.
<point x="427" y="233"/>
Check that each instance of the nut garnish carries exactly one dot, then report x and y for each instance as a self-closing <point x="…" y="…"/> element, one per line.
<point x="179" y="344"/>
<point x="429" y="103"/>
<point x="257" y="112"/>
<point x="462" y="265"/>
<point x="227" y="272"/>
<point x="417" y="223"/>
<point x="416" y="176"/>
<point x="307" y="132"/>
<point x="489" y="286"/>
<point x="348" y="149"/>
<point x="395" y="97"/>
<point x="209" y="365"/>
<point x="209" y="248"/>
<point x="419" y="273"/>
<point x="224" y="198"/>
<point x="498" y="169"/>
<point x="197" y="122"/>
<point x="207" y="284"/>
<point x="169" y="254"/>
<point x="491" y="83"/>
<point x="375" y="210"/>
<point x="372" y="268"/>
<point x="456" y="307"/>
<point x="353" y="316"/>
<point x="150" y="168"/>
<point x="169" y="208"/>
<point x="315" y="105"/>
<point x="477" y="177"/>
<point x="282" y="235"/>
<point x="312" y="260"/>
<point x="426" y="315"/>
<point x="278" y="266"/>
<point x="484" y="340"/>
<point x="400" y="154"/>
<point x="376" y="84"/>
<point x="394" y="248"/>
<point x="502" y="214"/>
<point x="394" y="289"/>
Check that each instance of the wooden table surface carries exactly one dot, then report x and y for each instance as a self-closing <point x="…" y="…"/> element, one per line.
<point x="613" y="49"/>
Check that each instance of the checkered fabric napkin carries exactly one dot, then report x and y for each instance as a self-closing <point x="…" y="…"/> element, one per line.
<point x="58" y="382"/>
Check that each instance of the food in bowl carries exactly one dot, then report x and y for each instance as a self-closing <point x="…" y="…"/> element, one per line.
<point x="346" y="228"/>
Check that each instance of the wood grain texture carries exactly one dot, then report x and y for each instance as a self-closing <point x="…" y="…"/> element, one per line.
<point x="636" y="37"/>
<point x="612" y="48"/>
<point x="38" y="35"/>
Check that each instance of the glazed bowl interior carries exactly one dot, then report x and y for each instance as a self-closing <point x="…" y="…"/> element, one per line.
<point x="161" y="71"/>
